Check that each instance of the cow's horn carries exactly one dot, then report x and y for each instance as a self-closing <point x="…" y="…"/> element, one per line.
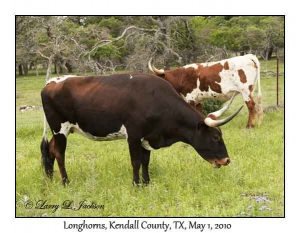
<point x="215" y="123"/>
<point x="153" y="69"/>
<point x="224" y="109"/>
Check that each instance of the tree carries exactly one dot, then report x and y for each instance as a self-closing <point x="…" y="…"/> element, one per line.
<point x="273" y="35"/>
<point x="24" y="43"/>
<point x="102" y="44"/>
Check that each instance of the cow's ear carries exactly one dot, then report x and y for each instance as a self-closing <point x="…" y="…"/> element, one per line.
<point x="201" y="125"/>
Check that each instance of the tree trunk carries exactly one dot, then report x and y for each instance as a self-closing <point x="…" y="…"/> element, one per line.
<point x="192" y="49"/>
<point x="55" y="69"/>
<point x="25" y="68"/>
<point x="49" y="67"/>
<point x="36" y="69"/>
<point x="69" y="67"/>
<point x="20" y="70"/>
<point x="60" y="69"/>
<point x="269" y="53"/>
<point x="31" y="65"/>
<point x="63" y="67"/>
<point x="166" y="64"/>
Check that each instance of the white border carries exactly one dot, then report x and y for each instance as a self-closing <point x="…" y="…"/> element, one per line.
<point x="109" y="7"/>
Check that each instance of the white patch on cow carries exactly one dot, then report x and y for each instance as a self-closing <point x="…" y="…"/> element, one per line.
<point x="198" y="96"/>
<point x="130" y="77"/>
<point x="67" y="127"/>
<point x="146" y="144"/>
<point x="60" y="79"/>
<point x="64" y="129"/>
<point x="208" y="64"/>
<point x="195" y="66"/>
<point x="194" y="95"/>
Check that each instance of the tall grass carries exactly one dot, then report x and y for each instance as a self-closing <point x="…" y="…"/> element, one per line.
<point x="182" y="183"/>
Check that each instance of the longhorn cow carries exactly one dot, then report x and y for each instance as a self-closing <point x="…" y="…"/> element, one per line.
<point x="142" y="108"/>
<point x="217" y="80"/>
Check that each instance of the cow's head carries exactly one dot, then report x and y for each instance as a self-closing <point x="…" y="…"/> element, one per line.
<point x="208" y="140"/>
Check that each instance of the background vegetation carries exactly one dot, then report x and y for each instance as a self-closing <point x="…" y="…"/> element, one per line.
<point x="104" y="44"/>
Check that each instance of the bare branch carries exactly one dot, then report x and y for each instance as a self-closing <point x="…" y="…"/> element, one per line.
<point x="152" y="19"/>
<point x="44" y="56"/>
<point x="209" y="59"/>
<point x="106" y="42"/>
<point x="171" y="51"/>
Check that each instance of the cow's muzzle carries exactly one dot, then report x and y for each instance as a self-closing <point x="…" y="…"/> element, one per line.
<point x="217" y="163"/>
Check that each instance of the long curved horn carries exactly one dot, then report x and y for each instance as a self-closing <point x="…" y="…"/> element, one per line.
<point x="224" y="109"/>
<point x="153" y="69"/>
<point x="215" y="123"/>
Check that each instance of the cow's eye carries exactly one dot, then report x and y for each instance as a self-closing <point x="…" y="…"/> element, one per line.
<point x="216" y="138"/>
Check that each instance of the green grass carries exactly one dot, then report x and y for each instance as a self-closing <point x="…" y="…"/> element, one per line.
<point x="182" y="183"/>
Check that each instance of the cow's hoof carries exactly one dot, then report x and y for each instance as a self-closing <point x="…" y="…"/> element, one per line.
<point x="136" y="184"/>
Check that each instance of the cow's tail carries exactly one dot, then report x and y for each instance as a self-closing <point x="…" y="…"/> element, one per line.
<point x="259" y="108"/>
<point x="47" y="164"/>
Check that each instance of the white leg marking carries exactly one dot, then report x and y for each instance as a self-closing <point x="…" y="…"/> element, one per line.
<point x="45" y="128"/>
<point x="130" y="77"/>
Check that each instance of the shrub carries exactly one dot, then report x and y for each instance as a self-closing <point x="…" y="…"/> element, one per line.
<point x="211" y="105"/>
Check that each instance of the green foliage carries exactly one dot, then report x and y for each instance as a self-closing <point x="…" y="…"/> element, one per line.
<point x="228" y="37"/>
<point x="274" y="30"/>
<point x="111" y="23"/>
<point x="211" y="105"/>
<point x="108" y="51"/>
<point x="43" y="38"/>
<point x="69" y="27"/>
<point x="239" y="32"/>
<point x="89" y="43"/>
<point x="252" y="37"/>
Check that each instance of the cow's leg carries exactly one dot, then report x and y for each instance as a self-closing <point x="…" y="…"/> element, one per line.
<point x="145" y="165"/>
<point x="48" y="164"/>
<point x="135" y="149"/>
<point x="47" y="158"/>
<point x="57" y="148"/>
<point x="251" y="109"/>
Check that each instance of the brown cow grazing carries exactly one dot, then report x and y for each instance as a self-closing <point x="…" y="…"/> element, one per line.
<point x="142" y="108"/>
<point x="218" y="80"/>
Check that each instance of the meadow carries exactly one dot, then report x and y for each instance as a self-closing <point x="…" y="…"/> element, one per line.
<point x="182" y="183"/>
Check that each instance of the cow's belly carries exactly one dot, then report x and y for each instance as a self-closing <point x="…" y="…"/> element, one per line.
<point x="198" y="96"/>
<point x="67" y="128"/>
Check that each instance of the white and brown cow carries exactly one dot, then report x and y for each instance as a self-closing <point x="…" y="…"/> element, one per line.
<point x="218" y="80"/>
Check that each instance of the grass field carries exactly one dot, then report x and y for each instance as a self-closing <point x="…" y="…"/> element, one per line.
<point x="182" y="183"/>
